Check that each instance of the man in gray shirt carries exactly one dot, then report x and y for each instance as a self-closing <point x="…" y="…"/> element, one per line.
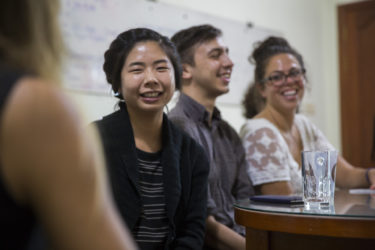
<point x="206" y="74"/>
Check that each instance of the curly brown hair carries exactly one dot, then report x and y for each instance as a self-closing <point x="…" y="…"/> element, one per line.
<point x="253" y="102"/>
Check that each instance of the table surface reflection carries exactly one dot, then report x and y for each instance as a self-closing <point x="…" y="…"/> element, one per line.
<point x="346" y="225"/>
<point x="346" y="204"/>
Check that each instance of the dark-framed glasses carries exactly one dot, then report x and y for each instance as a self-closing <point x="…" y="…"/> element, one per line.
<point x="279" y="78"/>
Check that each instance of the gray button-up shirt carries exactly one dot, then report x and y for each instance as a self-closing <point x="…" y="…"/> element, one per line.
<point x="228" y="179"/>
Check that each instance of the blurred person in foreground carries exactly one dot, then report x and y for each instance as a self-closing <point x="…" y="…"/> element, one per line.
<point x="50" y="174"/>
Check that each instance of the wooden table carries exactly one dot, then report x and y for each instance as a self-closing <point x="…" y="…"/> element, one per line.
<point x="350" y="224"/>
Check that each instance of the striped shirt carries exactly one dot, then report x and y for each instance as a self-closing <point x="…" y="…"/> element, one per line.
<point x="152" y="228"/>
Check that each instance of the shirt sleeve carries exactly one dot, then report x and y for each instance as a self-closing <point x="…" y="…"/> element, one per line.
<point x="243" y="187"/>
<point x="267" y="156"/>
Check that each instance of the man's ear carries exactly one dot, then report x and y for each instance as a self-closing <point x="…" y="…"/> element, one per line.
<point x="186" y="71"/>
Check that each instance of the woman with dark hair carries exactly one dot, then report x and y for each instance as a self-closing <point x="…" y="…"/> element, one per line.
<point x="274" y="134"/>
<point x="158" y="173"/>
<point x="51" y="172"/>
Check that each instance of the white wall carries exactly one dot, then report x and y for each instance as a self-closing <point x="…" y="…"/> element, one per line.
<point x="309" y="25"/>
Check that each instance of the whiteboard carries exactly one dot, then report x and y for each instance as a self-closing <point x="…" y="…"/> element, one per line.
<point x="89" y="26"/>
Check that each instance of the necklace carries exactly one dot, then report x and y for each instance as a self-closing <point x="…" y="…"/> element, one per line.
<point x="292" y="141"/>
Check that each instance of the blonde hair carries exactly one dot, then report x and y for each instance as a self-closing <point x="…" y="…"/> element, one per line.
<point x="30" y="37"/>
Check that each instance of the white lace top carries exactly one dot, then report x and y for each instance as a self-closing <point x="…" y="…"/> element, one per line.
<point x="268" y="154"/>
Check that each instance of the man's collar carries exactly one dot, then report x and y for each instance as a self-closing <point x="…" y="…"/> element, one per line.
<point x="197" y="111"/>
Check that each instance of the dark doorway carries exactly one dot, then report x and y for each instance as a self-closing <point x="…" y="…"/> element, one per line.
<point x="357" y="81"/>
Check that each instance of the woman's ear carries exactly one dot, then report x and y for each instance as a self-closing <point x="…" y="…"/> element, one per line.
<point x="261" y="89"/>
<point x="186" y="71"/>
<point x="118" y="93"/>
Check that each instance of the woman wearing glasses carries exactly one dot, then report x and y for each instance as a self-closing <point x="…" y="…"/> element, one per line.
<point x="274" y="134"/>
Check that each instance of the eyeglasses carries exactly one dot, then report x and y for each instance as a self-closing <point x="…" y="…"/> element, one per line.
<point x="279" y="78"/>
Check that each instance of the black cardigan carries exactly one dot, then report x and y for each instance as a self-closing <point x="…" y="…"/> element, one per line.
<point x="185" y="173"/>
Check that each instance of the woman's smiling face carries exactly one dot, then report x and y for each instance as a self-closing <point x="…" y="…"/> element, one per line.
<point x="289" y="94"/>
<point x="147" y="78"/>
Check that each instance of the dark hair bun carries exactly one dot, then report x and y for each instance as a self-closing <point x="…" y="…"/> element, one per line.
<point x="271" y="45"/>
